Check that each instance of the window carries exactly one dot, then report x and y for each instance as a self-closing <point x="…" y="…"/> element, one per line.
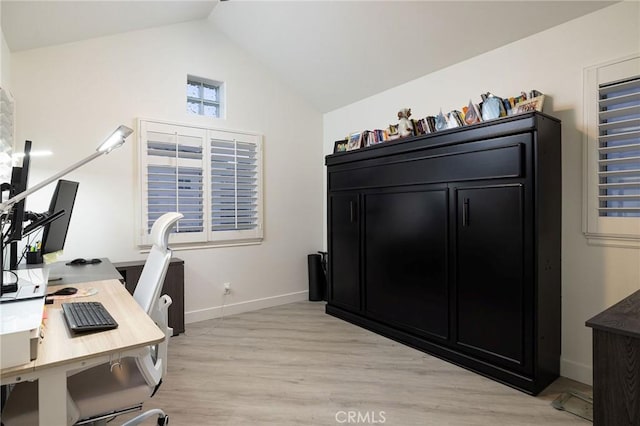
<point x="213" y="177"/>
<point x="235" y="198"/>
<point x="204" y="97"/>
<point x="612" y="115"/>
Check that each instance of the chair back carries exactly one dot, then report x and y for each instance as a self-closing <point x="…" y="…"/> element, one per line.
<point x="149" y="286"/>
<point x="152" y="362"/>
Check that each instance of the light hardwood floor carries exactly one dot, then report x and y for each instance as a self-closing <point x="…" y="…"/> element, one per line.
<point x="295" y="365"/>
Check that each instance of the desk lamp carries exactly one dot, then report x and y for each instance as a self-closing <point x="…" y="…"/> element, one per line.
<point x="114" y="141"/>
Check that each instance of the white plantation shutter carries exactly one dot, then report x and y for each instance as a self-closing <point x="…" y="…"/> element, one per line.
<point x="619" y="148"/>
<point x="612" y="163"/>
<point x="213" y="177"/>
<point x="174" y="178"/>
<point x="236" y="197"/>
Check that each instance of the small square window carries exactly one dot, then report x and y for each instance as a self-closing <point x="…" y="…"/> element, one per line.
<point x="193" y="107"/>
<point x="193" y="90"/>
<point x="204" y="97"/>
<point x="210" y="110"/>
<point x="210" y="93"/>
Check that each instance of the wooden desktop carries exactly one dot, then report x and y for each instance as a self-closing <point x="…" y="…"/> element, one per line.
<point x="61" y="352"/>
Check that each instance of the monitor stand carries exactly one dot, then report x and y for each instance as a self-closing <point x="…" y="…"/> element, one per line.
<point x="9" y="283"/>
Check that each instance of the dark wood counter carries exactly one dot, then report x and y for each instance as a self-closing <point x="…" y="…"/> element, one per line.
<point x="616" y="363"/>
<point x="173" y="286"/>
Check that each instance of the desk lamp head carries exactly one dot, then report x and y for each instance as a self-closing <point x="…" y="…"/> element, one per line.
<point x="116" y="140"/>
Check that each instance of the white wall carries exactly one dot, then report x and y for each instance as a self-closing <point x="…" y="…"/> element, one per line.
<point x="593" y="278"/>
<point x="70" y="97"/>
<point x="5" y="59"/>
<point x="5" y="64"/>
<point x="5" y="145"/>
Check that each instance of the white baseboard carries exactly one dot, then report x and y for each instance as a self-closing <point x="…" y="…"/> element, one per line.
<point x="579" y="372"/>
<point x="247" y="306"/>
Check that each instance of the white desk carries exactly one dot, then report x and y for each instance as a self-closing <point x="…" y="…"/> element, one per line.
<point x="60" y="352"/>
<point x="20" y="320"/>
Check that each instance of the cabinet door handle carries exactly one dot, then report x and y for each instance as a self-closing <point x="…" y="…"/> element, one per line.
<point x="352" y="211"/>
<point x="465" y="213"/>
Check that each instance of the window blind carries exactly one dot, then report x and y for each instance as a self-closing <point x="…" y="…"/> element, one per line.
<point x="234" y="185"/>
<point x="619" y="148"/>
<point x="212" y="176"/>
<point x="175" y="180"/>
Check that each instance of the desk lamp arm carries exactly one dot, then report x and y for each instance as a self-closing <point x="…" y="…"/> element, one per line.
<point x="116" y="140"/>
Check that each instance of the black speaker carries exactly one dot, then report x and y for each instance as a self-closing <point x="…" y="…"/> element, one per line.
<point x="317" y="279"/>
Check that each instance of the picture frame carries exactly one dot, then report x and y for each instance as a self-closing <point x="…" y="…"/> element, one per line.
<point x="530" y="105"/>
<point x="355" y="141"/>
<point x="340" y="146"/>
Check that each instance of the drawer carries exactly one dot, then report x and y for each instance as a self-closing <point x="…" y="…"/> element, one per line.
<point x="493" y="163"/>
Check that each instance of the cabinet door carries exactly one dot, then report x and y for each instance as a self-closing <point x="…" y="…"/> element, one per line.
<point x="131" y="277"/>
<point x="406" y="260"/>
<point x="344" y="251"/>
<point x="490" y="282"/>
<point x="173" y="286"/>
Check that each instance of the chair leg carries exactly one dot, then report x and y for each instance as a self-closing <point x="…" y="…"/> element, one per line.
<point x="163" y="419"/>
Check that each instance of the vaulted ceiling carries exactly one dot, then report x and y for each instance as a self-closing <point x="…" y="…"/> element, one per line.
<point x="332" y="52"/>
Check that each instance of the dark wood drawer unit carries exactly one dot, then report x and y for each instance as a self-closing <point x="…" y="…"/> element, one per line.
<point x="450" y="242"/>
<point x="616" y="364"/>
<point x="173" y="287"/>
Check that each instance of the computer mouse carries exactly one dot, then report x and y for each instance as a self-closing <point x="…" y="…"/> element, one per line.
<point x="67" y="291"/>
<point x="81" y="261"/>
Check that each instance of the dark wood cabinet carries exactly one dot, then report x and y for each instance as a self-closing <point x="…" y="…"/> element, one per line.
<point x="345" y="244"/>
<point x="173" y="286"/>
<point x="616" y="363"/>
<point x="450" y="242"/>
<point x="406" y="236"/>
<point x="490" y="273"/>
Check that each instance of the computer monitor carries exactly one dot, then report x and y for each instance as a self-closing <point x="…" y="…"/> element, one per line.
<point x="19" y="182"/>
<point x="55" y="232"/>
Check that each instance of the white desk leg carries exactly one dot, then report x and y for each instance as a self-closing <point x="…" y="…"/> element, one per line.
<point x="52" y="398"/>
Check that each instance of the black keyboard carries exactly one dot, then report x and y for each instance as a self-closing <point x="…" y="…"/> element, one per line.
<point x="88" y="316"/>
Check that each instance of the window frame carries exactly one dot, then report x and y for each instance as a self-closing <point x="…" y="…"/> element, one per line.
<point x="603" y="230"/>
<point x="208" y="238"/>
<point x="221" y="101"/>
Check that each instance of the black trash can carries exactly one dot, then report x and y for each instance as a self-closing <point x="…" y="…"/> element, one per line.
<point x="317" y="279"/>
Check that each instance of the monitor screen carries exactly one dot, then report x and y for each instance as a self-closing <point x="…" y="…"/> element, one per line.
<point x="19" y="181"/>
<point x="55" y="233"/>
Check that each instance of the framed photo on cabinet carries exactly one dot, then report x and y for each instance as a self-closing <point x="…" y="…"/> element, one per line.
<point x="340" y="146"/>
<point x="355" y="141"/>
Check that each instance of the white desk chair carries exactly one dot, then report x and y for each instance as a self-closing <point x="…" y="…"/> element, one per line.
<point x="100" y="393"/>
